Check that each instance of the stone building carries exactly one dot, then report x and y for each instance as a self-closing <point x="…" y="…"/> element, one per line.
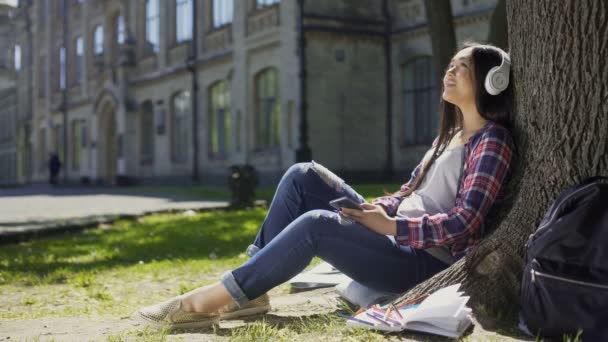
<point x="8" y="98"/>
<point x="174" y="90"/>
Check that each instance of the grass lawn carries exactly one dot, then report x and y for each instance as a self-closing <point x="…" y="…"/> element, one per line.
<point x="114" y="269"/>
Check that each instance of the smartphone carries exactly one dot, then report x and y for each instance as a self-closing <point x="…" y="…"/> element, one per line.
<point x="345" y="202"/>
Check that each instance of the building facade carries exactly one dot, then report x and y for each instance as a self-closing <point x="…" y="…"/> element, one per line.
<point x="8" y="98"/>
<point x="175" y="90"/>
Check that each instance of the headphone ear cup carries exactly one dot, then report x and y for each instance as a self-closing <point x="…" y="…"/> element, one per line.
<point x="496" y="81"/>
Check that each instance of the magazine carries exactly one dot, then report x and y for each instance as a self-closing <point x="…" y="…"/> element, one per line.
<point x="444" y="312"/>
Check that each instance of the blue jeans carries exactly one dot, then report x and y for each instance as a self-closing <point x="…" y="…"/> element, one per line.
<point x="301" y="224"/>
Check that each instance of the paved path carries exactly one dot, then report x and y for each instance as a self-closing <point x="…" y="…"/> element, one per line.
<point x="40" y="208"/>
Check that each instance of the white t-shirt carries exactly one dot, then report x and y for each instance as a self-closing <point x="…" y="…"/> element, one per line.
<point x="437" y="192"/>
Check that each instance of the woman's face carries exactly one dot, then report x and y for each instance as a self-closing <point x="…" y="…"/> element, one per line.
<point x="458" y="81"/>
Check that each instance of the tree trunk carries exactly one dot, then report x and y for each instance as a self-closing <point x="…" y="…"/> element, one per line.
<point x="559" y="54"/>
<point x="441" y="28"/>
<point x="499" y="32"/>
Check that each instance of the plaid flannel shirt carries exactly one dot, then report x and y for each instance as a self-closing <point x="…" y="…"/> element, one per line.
<point x="488" y="155"/>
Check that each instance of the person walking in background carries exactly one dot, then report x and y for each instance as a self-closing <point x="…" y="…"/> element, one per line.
<point x="54" y="168"/>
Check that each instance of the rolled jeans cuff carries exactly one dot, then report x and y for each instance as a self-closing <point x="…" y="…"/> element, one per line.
<point x="234" y="289"/>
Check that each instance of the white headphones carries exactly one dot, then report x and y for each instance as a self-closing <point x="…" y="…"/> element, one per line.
<point x="497" y="79"/>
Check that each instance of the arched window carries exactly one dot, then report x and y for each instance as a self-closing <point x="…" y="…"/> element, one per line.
<point x="420" y="100"/>
<point x="267" y="108"/>
<point x="152" y="26"/>
<point x="180" y="126"/>
<point x="219" y="119"/>
<point x="146" y="142"/>
<point x="78" y="64"/>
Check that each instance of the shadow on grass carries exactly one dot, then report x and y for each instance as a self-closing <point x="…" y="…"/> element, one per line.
<point x="209" y="235"/>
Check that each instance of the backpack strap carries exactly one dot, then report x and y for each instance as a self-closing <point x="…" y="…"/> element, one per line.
<point x="594" y="179"/>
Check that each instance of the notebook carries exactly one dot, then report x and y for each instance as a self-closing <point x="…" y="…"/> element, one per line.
<point x="322" y="275"/>
<point x="444" y="312"/>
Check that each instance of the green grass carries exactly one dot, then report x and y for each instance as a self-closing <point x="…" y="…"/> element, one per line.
<point x="104" y="270"/>
<point x="113" y="270"/>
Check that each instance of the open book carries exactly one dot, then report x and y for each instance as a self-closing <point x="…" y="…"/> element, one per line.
<point x="444" y="312"/>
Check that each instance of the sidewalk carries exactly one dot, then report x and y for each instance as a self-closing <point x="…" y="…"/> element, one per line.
<point x="40" y="209"/>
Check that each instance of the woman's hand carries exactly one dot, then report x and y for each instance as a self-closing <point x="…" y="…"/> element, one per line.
<point x="373" y="217"/>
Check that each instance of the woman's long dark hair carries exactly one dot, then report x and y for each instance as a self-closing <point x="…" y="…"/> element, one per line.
<point x="497" y="108"/>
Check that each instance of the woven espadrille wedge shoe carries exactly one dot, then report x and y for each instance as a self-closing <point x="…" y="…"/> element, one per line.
<point x="170" y="314"/>
<point x="257" y="306"/>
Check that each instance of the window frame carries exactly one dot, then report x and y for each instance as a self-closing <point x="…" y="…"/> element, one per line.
<point x="62" y="68"/>
<point x="424" y="118"/>
<point x="223" y="90"/>
<point x="17" y="57"/>
<point x="223" y="12"/>
<point x="98" y="40"/>
<point x="78" y="60"/>
<point x="273" y="139"/>
<point x="180" y="141"/>
<point x="154" y="47"/>
<point x="183" y="26"/>
<point x="121" y="32"/>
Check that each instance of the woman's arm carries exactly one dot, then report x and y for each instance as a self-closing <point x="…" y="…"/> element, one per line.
<point x="391" y="203"/>
<point x="488" y="167"/>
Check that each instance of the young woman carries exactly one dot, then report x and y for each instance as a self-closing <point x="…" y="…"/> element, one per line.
<point x="396" y="241"/>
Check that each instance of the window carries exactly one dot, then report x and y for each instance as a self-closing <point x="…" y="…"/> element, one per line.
<point x="17" y="57"/>
<point x="183" y="20"/>
<point x="62" y="68"/>
<point x="78" y="65"/>
<point x="152" y="26"/>
<point x="146" y="146"/>
<point x="264" y="3"/>
<point x="420" y="101"/>
<point x="98" y="40"/>
<point x="180" y="127"/>
<point x="120" y="29"/>
<point x="222" y="12"/>
<point x="76" y="143"/>
<point x="219" y="119"/>
<point x="267" y="108"/>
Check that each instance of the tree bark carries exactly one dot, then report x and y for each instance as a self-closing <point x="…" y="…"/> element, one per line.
<point x="441" y="28"/>
<point x="559" y="54"/>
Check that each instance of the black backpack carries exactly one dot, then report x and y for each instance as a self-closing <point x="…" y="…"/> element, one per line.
<point x="565" y="282"/>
